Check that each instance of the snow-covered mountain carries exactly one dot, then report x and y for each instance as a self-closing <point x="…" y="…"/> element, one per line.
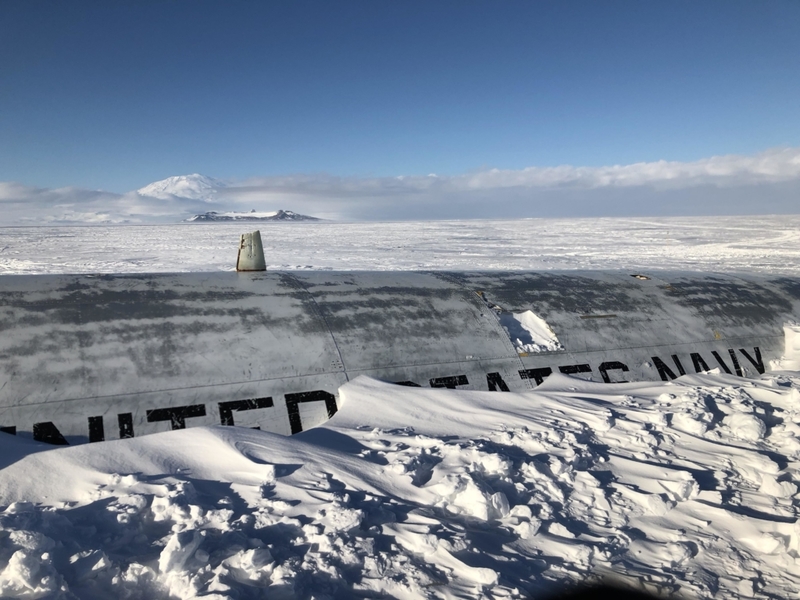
<point x="280" y="215"/>
<point x="193" y="187"/>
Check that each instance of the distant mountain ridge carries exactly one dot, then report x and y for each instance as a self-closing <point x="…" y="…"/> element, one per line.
<point x="196" y="187"/>
<point x="280" y="215"/>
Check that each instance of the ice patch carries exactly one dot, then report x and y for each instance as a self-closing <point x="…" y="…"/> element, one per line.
<point x="529" y="332"/>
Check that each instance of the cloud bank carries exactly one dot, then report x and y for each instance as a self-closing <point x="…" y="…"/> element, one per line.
<point x="768" y="182"/>
<point x="27" y="205"/>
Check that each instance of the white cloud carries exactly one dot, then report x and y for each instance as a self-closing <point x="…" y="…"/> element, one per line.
<point x="773" y="166"/>
<point x="731" y="184"/>
<point x="27" y="205"/>
<point x="537" y="191"/>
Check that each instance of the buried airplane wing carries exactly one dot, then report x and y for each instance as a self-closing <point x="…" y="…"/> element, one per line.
<point x="88" y="358"/>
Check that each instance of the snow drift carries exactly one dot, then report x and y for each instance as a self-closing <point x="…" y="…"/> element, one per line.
<point x="685" y="486"/>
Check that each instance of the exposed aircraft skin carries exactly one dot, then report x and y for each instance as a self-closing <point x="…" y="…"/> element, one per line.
<point x="89" y="358"/>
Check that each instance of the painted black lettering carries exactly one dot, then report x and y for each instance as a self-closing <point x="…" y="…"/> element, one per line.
<point x="538" y="375"/>
<point x="699" y="364"/>
<point x="495" y="381"/>
<point x="96" y="430"/>
<point x="574" y="369"/>
<point x="449" y="382"/>
<point x="721" y="362"/>
<point x="226" y="408"/>
<point x="678" y="364"/>
<point x="736" y="368"/>
<point x="49" y="433"/>
<point x="293" y="401"/>
<point x="610" y="366"/>
<point x="125" y="425"/>
<point x="758" y="362"/>
<point x="663" y="370"/>
<point x="407" y="383"/>
<point x="12" y="429"/>
<point x="177" y="415"/>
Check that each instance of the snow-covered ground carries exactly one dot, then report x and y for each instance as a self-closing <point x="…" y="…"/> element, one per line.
<point x="768" y="244"/>
<point x="687" y="486"/>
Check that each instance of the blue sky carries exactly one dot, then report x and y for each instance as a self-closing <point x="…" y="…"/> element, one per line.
<point x="115" y="95"/>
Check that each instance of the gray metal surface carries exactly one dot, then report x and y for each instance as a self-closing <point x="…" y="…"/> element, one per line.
<point x="85" y="358"/>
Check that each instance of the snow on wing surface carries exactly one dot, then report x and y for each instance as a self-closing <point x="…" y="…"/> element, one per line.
<point x="529" y="332"/>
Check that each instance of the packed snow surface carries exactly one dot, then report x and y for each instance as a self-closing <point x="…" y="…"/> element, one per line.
<point x="688" y="486"/>
<point x="767" y="244"/>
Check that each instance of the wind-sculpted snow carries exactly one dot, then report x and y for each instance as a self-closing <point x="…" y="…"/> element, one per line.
<point x="687" y="486"/>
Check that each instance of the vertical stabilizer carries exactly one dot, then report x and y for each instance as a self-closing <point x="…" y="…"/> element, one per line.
<point x="251" y="253"/>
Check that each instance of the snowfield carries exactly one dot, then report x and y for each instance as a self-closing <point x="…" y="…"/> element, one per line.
<point x="768" y="244"/>
<point x="688" y="486"/>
